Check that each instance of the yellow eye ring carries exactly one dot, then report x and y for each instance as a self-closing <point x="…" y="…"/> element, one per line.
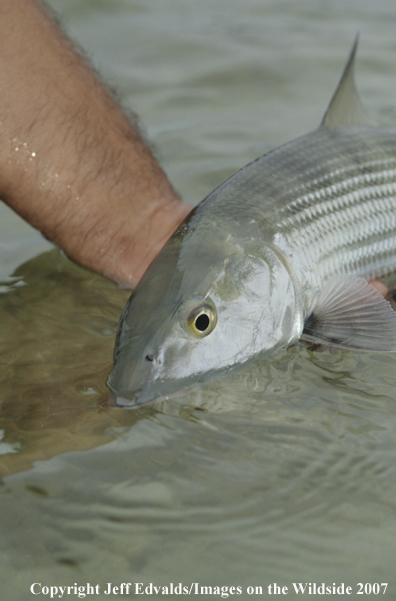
<point x="202" y="319"/>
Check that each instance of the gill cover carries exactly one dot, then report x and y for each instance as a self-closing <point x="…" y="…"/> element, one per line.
<point x="243" y="307"/>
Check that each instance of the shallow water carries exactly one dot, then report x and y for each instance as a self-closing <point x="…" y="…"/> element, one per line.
<point x="284" y="473"/>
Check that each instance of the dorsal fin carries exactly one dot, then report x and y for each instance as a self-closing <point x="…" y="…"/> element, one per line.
<point x="345" y="107"/>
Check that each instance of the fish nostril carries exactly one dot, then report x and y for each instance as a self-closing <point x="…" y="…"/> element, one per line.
<point x="149" y="357"/>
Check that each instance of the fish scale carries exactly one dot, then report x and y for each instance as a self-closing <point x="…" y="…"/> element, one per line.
<point x="342" y="220"/>
<point x="348" y="225"/>
<point x="282" y="250"/>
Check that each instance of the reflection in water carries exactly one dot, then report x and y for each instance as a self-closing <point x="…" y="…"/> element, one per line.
<point x="57" y="327"/>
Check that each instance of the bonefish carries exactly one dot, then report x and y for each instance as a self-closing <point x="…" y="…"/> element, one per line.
<point x="281" y="251"/>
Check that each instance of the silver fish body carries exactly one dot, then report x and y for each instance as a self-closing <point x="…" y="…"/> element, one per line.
<point x="326" y="202"/>
<point x="280" y="250"/>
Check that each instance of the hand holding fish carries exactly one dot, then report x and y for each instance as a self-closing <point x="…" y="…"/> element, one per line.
<point x="71" y="163"/>
<point x="281" y="251"/>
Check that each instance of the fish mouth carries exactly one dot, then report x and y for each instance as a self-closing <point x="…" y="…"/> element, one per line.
<point x="139" y="398"/>
<point x="153" y="393"/>
<point x="112" y="401"/>
<point x="115" y="400"/>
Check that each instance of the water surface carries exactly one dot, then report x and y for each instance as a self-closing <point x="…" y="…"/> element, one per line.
<point x="284" y="473"/>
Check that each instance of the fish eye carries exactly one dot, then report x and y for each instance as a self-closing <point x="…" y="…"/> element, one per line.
<point x="202" y="319"/>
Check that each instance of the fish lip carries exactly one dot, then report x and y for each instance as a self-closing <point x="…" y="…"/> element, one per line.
<point x="116" y="400"/>
<point x="112" y="400"/>
<point x="148" y="395"/>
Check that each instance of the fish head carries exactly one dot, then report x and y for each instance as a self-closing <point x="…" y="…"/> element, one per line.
<point x="208" y="304"/>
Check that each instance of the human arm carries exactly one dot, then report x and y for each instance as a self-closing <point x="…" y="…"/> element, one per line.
<point x="71" y="163"/>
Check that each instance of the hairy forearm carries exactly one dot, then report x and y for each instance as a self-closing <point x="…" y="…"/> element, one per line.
<point x="70" y="161"/>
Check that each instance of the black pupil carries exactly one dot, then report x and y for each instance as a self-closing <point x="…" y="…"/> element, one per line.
<point x="202" y="322"/>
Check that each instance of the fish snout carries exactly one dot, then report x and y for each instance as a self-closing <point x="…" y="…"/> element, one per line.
<point x="132" y="377"/>
<point x="136" y="398"/>
<point x="115" y="400"/>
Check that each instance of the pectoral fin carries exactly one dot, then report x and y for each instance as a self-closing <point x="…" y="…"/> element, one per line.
<point x="350" y="313"/>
